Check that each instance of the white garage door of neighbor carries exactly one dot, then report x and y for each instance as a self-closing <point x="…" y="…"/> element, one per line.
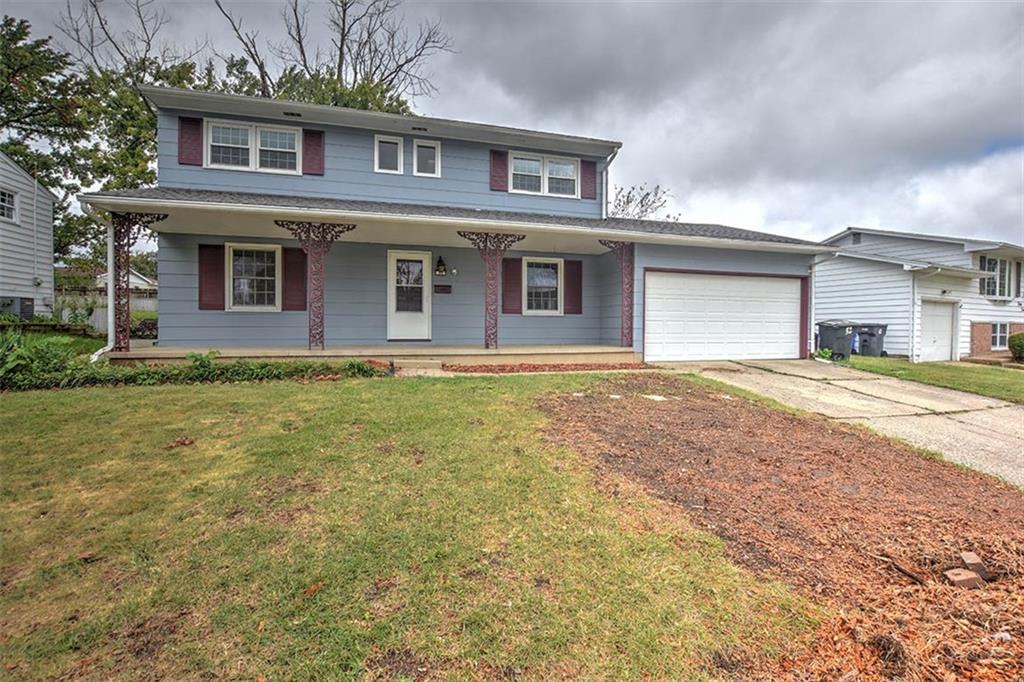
<point x="936" y="331"/>
<point x="691" y="316"/>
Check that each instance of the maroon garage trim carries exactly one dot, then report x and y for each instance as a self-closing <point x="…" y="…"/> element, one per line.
<point x="805" y="297"/>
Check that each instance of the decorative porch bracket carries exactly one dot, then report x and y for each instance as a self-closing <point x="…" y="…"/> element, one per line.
<point x="492" y="247"/>
<point x="127" y="228"/>
<point x="316" y="240"/>
<point x="624" y="253"/>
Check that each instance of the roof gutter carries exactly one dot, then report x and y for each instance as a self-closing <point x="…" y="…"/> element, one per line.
<point x="498" y="225"/>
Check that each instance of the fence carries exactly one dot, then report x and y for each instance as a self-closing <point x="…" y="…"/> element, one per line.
<point x="89" y="306"/>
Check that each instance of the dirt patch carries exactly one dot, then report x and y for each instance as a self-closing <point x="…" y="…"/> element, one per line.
<point x="544" y="367"/>
<point x="398" y="664"/>
<point x="840" y="514"/>
<point x="144" y="640"/>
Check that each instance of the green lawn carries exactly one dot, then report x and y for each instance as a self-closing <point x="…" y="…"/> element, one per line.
<point x="996" y="382"/>
<point x="82" y="345"/>
<point x="311" y="530"/>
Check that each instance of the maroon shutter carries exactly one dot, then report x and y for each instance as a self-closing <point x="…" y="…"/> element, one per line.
<point x="312" y="152"/>
<point x="499" y="171"/>
<point x="512" y="286"/>
<point x="190" y="141"/>
<point x="293" y="282"/>
<point x="588" y="180"/>
<point x="211" y="277"/>
<point x="573" y="297"/>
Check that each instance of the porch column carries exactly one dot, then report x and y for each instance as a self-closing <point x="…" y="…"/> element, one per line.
<point x="316" y="240"/>
<point x="624" y="253"/>
<point x="492" y="247"/>
<point x="127" y="228"/>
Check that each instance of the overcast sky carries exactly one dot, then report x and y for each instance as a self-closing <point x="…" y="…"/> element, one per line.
<point x="793" y="118"/>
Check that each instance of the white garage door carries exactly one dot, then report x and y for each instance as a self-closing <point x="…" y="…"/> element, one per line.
<point x="720" y="317"/>
<point x="936" y="331"/>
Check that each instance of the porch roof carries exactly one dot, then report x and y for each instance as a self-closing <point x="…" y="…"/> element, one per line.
<point x="328" y="209"/>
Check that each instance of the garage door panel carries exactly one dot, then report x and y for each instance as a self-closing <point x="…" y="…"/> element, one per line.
<point x="690" y="316"/>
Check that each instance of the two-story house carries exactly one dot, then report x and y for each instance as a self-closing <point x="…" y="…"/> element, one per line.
<point x="26" y="242"/>
<point x="285" y="225"/>
<point x="943" y="298"/>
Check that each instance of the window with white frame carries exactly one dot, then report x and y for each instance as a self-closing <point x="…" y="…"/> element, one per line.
<point x="537" y="174"/>
<point x="254" y="277"/>
<point x="387" y="154"/>
<point x="1000" y="335"/>
<point x="1000" y="283"/>
<point x="426" y="158"/>
<point x="245" y="146"/>
<point x="543" y="286"/>
<point x="8" y="205"/>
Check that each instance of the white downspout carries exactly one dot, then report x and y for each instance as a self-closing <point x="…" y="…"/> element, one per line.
<point x="607" y="171"/>
<point x="110" y="294"/>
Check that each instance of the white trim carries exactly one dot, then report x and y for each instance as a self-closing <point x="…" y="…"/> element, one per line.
<point x="561" y="286"/>
<point x="400" y="141"/>
<point x="17" y="208"/>
<point x="544" y="160"/>
<point x="103" y="203"/>
<point x="428" y="289"/>
<point x="229" y="291"/>
<point x="436" y="145"/>
<point x="969" y="243"/>
<point x="254" y="146"/>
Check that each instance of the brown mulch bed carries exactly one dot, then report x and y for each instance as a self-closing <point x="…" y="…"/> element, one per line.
<point x="836" y="512"/>
<point x="544" y="367"/>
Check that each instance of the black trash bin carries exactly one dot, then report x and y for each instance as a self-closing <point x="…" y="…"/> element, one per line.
<point x="872" y="339"/>
<point x="836" y="335"/>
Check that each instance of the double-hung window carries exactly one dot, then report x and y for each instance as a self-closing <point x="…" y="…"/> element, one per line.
<point x="387" y="154"/>
<point x="246" y="146"/>
<point x="1000" y="283"/>
<point x="543" y="290"/>
<point x="1000" y="335"/>
<point x="537" y="174"/>
<point x="8" y="205"/>
<point x="253" y="277"/>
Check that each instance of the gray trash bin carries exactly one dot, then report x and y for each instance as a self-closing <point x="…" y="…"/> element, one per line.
<point x="836" y="335"/>
<point x="872" y="339"/>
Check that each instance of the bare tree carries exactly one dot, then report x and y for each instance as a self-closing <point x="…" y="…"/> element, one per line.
<point x="370" y="43"/>
<point x="640" y="202"/>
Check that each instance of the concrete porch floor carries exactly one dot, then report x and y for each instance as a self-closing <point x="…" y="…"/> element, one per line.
<point x="407" y="355"/>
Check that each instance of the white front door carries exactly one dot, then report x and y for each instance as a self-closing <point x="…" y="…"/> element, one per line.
<point x="409" y="295"/>
<point x="693" y="316"/>
<point x="937" y="331"/>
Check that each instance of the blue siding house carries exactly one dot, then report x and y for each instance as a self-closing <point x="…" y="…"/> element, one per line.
<point x="287" y="228"/>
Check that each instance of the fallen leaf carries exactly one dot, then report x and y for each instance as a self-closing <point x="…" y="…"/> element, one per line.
<point x="263" y="624"/>
<point x="312" y="589"/>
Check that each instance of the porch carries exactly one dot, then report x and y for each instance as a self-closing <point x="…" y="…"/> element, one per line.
<point x="403" y="355"/>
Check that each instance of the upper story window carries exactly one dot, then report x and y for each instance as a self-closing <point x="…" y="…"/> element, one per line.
<point x="8" y="205"/>
<point x="1000" y="284"/>
<point x="254" y="281"/>
<point x="543" y="292"/>
<point x="426" y="158"/>
<point x="245" y="146"/>
<point x="387" y="154"/>
<point x="855" y="238"/>
<point x="537" y="174"/>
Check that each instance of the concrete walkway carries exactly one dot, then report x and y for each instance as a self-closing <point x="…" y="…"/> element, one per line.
<point x="979" y="432"/>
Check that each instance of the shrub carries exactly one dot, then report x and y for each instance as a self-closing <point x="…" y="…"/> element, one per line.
<point x="144" y="328"/>
<point x="10" y="318"/>
<point x="823" y="353"/>
<point x="201" y="368"/>
<point x="1016" y="344"/>
<point x="21" y="356"/>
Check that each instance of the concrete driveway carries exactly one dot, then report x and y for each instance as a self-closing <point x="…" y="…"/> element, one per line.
<point x="979" y="432"/>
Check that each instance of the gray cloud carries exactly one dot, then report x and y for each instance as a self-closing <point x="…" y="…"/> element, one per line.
<point x="796" y="118"/>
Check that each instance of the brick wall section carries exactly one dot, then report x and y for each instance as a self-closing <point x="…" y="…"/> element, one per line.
<point x="981" y="338"/>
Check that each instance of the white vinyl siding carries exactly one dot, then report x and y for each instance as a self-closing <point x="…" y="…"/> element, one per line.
<point x="867" y="291"/>
<point x="947" y="253"/>
<point x="26" y="242"/>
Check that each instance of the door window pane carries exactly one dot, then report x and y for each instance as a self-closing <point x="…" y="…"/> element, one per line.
<point x="409" y="285"/>
<point x="542" y="286"/>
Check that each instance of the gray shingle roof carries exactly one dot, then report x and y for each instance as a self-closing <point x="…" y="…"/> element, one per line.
<point x="658" y="227"/>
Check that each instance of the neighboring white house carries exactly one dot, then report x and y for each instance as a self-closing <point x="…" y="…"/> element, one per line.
<point x="943" y="298"/>
<point x="26" y="242"/>
<point x="136" y="281"/>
